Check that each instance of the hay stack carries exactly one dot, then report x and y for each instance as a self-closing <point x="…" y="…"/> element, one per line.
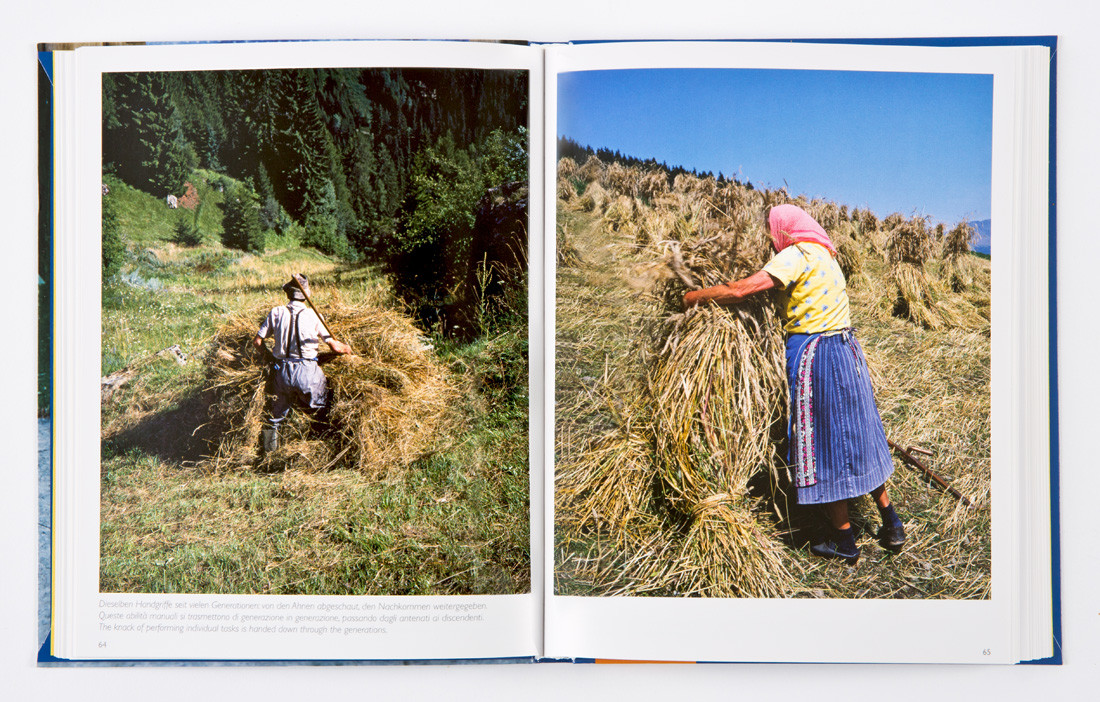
<point x="567" y="168"/>
<point x="958" y="269"/>
<point x="851" y="255"/>
<point x="827" y="214"/>
<point x="908" y="247"/>
<point x="592" y="170"/>
<point x="610" y="488"/>
<point x="566" y="191"/>
<point x="593" y="198"/>
<point x="622" y="180"/>
<point x="654" y="184"/>
<point x="620" y="213"/>
<point x="567" y="253"/>
<point x="391" y="398"/>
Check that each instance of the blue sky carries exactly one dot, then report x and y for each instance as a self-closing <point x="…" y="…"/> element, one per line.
<point x="915" y="143"/>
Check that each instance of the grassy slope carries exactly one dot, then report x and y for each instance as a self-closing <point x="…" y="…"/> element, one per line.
<point x="456" y="522"/>
<point x="933" y="392"/>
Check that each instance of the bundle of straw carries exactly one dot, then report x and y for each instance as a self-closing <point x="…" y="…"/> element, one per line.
<point x="654" y="184"/>
<point x="391" y="398"/>
<point x="567" y="168"/>
<point x="567" y="250"/>
<point x="609" y="484"/>
<point x="622" y="180"/>
<point x="851" y="255"/>
<point x="909" y="246"/>
<point x="958" y="269"/>
<point x="592" y="170"/>
<point x="619" y="213"/>
<point x="593" y="199"/>
<point x="566" y="191"/>
<point x="718" y="390"/>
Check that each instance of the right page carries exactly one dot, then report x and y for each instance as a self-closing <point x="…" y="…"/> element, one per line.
<point x="800" y="374"/>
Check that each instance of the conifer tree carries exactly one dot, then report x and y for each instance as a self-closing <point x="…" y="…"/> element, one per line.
<point x="241" y="221"/>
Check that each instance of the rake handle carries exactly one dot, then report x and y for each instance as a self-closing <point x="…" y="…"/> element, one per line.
<point x="908" y="458"/>
<point x="301" y="286"/>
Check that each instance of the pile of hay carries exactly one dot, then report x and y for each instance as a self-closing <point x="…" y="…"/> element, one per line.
<point x="391" y="397"/>
<point x="566" y="250"/>
<point x="622" y="180"/>
<point x="851" y="255"/>
<point x="909" y="246"/>
<point x="654" y="184"/>
<point x="958" y="269"/>
<point x="591" y="171"/>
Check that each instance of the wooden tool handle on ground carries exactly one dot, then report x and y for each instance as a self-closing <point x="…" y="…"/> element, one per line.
<point x="908" y="458"/>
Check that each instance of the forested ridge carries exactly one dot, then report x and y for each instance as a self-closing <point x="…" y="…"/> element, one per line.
<point x="579" y="153"/>
<point x="351" y="155"/>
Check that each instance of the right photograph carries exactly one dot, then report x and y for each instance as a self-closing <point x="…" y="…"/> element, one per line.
<point x="772" y="334"/>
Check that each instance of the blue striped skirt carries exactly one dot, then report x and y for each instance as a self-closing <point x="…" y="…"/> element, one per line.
<point x="838" y="447"/>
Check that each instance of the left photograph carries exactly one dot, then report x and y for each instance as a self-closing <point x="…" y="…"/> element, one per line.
<point x="314" y="341"/>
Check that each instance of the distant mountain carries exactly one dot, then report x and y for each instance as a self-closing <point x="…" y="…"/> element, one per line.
<point x="983" y="240"/>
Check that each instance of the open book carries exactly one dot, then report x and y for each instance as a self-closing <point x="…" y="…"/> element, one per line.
<point x="528" y="449"/>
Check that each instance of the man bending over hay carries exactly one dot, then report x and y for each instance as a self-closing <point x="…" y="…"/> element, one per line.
<point x="296" y="379"/>
<point x="838" y="447"/>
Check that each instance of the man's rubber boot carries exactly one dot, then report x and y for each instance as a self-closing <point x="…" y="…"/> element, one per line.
<point x="270" y="441"/>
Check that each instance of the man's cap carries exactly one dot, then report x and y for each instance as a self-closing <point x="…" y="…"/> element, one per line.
<point x="293" y="291"/>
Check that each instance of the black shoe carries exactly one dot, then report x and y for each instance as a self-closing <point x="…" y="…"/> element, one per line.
<point x="892" y="536"/>
<point x="830" y="549"/>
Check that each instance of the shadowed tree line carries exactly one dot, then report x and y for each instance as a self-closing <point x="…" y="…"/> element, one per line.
<point x="387" y="166"/>
<point x="568" y="148"/>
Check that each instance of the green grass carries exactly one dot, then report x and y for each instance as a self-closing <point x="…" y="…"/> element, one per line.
<point x="454" y="522"/>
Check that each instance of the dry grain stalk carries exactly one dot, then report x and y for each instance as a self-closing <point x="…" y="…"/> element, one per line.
<point x="622" y="180"/>
<point x="654" y="184"/>
<point x="717" y="389"/>
<point x="620" y="213"/>
<point x="593" y="199"/>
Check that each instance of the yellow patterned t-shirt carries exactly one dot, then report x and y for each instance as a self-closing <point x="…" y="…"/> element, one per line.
<point x="813" y="295"/>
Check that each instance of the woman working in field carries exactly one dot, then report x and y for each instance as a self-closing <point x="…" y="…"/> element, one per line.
<point x="838" y="447"/>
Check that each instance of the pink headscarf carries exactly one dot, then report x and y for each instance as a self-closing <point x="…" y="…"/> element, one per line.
<point x="790" y="224"/>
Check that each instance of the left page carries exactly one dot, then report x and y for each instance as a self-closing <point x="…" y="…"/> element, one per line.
<point x="291" y="317"/>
